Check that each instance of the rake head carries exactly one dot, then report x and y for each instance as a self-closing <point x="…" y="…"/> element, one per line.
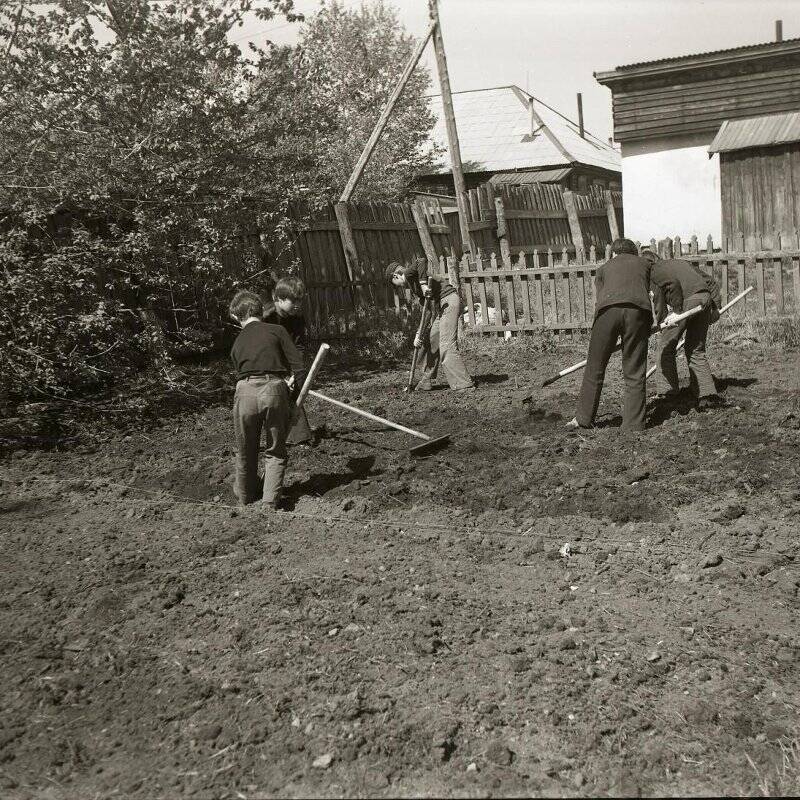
<point x="431" y="446"/>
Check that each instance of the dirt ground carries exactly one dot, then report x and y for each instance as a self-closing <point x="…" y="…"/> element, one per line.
<point x="415" y="627"/>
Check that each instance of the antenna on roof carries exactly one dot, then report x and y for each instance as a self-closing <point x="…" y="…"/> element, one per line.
<point x="778" y="30"/>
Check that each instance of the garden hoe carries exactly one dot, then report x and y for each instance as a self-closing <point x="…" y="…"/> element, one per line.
<point x="425" y="308"/>
<point x="429" y="445"/>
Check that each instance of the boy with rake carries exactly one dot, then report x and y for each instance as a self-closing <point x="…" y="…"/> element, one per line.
<point x="263" y="356"/>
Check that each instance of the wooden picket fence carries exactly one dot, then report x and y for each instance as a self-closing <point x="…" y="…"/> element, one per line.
<point x="551" y="291"/>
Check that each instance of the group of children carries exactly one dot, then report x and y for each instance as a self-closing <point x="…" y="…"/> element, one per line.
<point x="631" y="290"/>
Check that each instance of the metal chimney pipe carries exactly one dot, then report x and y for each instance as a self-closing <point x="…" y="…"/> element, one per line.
<point x="778" y="30"/>
<point x="580" y="115"/>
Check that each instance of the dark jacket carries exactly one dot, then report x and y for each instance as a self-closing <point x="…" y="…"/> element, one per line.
<point x="419" y="274"/>
<point x="672" y="281"/>
<point x="623" y="280"/>
<point x="295" y="326"/>
<point x="261" y="349"/>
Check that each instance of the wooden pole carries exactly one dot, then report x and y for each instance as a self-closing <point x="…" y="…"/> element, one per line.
<point x="348" y="242"/>
<point x="611" y="212"/>
<point x="424" y="235"/>
<point x="502" y="232"/>
<point x="574" y="221"/>
<point x="452" y="130"/>
<point x="358" y="170"/>
<point x="581" y="130"/>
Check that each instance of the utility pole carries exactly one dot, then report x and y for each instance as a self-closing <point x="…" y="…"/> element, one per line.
<point x="450" y="122"/>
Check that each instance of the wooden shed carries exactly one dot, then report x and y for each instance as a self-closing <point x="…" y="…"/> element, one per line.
<point x="759" y="175"/>
<point x="666" y="114"/>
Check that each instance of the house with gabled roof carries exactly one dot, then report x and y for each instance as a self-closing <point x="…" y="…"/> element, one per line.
<point x="510" y="137"/>
<point x="710" y="142"/>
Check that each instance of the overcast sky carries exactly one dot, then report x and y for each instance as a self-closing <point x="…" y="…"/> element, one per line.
<point x="552" y="47"/>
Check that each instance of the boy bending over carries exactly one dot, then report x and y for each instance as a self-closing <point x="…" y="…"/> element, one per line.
<point x="263" y="355"/>
<point x="441" y="341"/>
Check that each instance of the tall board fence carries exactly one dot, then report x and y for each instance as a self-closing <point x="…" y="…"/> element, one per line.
<point x="347" y="293"/>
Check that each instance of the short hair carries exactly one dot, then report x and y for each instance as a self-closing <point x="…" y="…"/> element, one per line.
<point x="650" y="254"/>
<point x="411" y="271"/>
<point x="246" y="304"/>
<point x="289" y="288"/>
<point x="393" y="268"/>
<point x="624" y="246"/>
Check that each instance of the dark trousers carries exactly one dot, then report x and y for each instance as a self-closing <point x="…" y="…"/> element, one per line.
<point x="701" y="380"/>
<point x="631" y="324"/>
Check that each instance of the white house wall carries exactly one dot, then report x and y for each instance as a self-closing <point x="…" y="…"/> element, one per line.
<point x="671" y="188"/>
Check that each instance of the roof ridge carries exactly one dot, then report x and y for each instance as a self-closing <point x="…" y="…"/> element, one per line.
<point x="675" y="59"/>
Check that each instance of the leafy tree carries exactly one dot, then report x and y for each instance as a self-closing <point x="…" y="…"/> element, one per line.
<point x="349" y="61"/>
<point x="127" y="170"/>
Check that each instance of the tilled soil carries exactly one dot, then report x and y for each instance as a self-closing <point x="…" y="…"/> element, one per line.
<point x="529" y="611"/>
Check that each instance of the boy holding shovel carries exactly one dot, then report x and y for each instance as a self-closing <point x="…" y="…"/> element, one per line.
<point x="286" y="310"/>
<point x="682" y="286"/>
<point x="262" y="355"/>
<point x="440" y="341"/>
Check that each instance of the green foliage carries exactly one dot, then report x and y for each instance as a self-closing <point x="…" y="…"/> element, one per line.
<point x="140" y="147"/>
<point x="350" y="61"/>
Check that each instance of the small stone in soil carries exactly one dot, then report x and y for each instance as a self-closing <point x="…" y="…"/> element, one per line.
<point x="499" y="754"/>
<point x="713" y="560"/>
<point x="323" y="761"/>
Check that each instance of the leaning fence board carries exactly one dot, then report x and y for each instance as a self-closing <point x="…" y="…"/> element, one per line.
<point x="498" y="299"/>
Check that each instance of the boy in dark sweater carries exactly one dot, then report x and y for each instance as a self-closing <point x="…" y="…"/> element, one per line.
<point x="286" y="309"/>
<point x="263" y="355"/>
<point x="440" y="341"/>
<point x="622" y="310"/>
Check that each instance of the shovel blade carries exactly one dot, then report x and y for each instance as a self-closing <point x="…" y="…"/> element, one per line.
<point x="431" y="446"/>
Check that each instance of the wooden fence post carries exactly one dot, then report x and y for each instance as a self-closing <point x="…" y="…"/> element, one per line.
<point x="612" y="215"/>
<point x="502" y="232"/>
<point x="346" y="235"/>
<point x="421" y="220"/>
<point x="574" y="221"/>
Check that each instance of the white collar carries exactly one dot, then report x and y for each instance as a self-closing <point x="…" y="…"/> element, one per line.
<point x="249" y="320"/>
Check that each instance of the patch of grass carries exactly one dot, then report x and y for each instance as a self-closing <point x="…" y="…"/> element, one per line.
<point x="783" y="779"/>
<point x="772" y="332"/>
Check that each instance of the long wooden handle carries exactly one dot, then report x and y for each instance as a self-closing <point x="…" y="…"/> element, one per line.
<point x="724" y="308"/>
<point x="366" y="414"/>
<point x="655" y="329"/>
<point x="415" y="357"/>
<point x="318" y="359"/>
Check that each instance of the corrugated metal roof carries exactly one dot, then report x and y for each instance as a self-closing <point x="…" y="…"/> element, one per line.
<point x="675" y="59"/>
<point x="740" y="134"/>
<point x="531" y="176"/>
<point x="496" y="135"/>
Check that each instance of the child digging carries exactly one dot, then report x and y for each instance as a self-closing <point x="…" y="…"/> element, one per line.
<point x="622" y="310"/>
<point x="682" y="286"/>
<point x="263" y="355"/>
<point x="440" y="344"/>
<point x="286" y="309"/>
